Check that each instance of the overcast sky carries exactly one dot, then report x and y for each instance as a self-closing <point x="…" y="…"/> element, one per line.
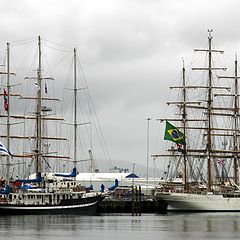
<point x="131" y="52"/>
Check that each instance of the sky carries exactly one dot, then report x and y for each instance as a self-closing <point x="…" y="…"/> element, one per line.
<point x="131" y="52"/>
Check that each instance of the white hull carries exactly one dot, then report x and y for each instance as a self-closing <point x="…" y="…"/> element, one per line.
<point x="199" y="202"/>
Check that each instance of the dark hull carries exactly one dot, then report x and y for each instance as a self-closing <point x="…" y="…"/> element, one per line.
<point x="86" y="206"/>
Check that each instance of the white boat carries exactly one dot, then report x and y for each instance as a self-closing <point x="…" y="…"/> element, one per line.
<point x="206" y="141"/>
<point x="200" y="202"/>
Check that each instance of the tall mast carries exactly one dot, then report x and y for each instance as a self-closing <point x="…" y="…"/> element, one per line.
<point x="235" y="119"/>
<point x="75" y="123"/>
<point x="8" y="111"/>
<point x="40" y="118"/>
<point x="75" y="111"/>
<point x="209" y="107"/>
<point x="209" y="110"/>
<point x="184" y="128"/>
<point x="236" y="113"/>
<point x="39" y="108"/>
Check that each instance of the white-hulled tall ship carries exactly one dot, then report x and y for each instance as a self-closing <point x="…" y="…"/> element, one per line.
<point x="40" y="192"/>
<point x="206" y="139"/>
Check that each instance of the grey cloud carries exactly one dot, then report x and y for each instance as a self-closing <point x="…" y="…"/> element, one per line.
<point x="131" y="52"/>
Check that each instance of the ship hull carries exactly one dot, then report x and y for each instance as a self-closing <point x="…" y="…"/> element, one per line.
<point x="86" y="206"/>
<point x="200" y="202"/>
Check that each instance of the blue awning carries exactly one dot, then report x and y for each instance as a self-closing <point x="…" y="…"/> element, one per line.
<point x="132" y="175"/>
<point x="72" y="174"/>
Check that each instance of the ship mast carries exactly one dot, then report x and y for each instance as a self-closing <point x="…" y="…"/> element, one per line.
<point x="183" y="106"/>
<point x="236" y="113"/>
<point x="209" y="111"/>
<point x="75" y="120"/>
<point x="8" y="110"/>
<point x="184" y="116"/>
<point x="39" y="109"/>
<point x="209" y="107"/>
<point x="75" y="112"/>
<point x="235" y="119"/>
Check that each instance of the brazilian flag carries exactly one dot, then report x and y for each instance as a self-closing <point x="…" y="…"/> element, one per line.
<point x="173" y="134"/>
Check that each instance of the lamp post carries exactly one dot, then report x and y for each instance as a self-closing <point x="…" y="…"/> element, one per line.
<point x="148" y="124"/>
<point x="154" y="167"/>
<point x="133" y="170"/>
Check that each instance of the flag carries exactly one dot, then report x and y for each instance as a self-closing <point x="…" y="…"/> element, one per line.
<point x="4" y="150"/>
<point x="46" y="88"/>
<point x="173" y="134"/>
<point x="180" y="147"/>
<point x="37" y="86"/>
<point x="218" y="161"/>
<point x="5" y="100"/>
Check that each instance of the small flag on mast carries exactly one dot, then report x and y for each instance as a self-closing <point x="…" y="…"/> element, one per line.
<point x="4" y="150"/>
<point x="5" y="94"/>
<point x="46" y="90"/>
<point x="37" y="86"/>
<point x="221" y="162"/>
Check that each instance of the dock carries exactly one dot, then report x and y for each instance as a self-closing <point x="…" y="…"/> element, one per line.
<point x="125" y="200"/>
<point x="128" y="206"/>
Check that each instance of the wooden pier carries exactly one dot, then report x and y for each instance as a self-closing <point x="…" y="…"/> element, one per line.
<point x="133" y="202"/>
<point x="125" y="206"/>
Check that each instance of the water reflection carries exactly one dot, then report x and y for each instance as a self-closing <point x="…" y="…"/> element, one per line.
<point x="206" y="225"/>
<point x="170" y="226"/>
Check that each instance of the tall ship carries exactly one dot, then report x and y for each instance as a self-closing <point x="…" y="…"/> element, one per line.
<point x="31" y="182"/>
<point x="203" y="155"/>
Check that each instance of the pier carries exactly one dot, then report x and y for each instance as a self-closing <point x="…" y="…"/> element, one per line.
<point x="127" y="200"/>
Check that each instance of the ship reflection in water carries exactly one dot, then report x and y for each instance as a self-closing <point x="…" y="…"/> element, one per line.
<point x="164" y="226"/>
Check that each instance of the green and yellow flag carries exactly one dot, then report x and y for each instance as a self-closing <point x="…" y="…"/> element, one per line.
<point x="173" y="134"/>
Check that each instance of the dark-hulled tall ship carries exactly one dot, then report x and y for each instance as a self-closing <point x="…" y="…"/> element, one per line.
<point x="39" y="192"/>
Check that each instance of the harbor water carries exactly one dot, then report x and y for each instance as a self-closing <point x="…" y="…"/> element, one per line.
<point x="125" y="226"/>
